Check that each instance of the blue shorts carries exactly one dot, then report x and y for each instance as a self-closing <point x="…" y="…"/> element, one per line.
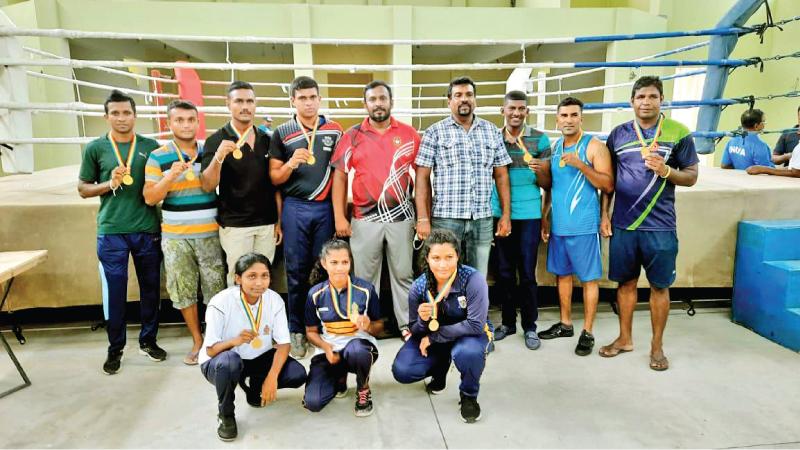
<point x="579" y="255"/>
<point x="656" y="251"/>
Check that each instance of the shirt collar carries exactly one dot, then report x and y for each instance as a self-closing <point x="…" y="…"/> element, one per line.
<point x="476" y="121"/>
<point x="366" y="126"/>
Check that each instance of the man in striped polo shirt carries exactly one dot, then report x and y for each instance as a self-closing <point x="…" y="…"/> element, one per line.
<point x="190" y="234"/>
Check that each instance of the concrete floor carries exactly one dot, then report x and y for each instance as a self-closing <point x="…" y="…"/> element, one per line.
<point x="727" y="387"/>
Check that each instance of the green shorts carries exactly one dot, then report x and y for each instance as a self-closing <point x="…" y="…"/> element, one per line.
<point x="186" y="261"/>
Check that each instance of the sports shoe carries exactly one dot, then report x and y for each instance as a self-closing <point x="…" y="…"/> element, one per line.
<point x="299" y="344"/>
<point x="556" y="331"/>
<point x="253" y="396"/>
<point x="227" y="430"/>
<point x="585" y="344"/>
<point x="532" y="340"/>
<point x="152" y="351"/>
<point x="502" y="331"/>
<point x="113" y="362"/>
<point x="470" y="409"/>
<point x="435" y="386"/>
<point x="363" y="403"/>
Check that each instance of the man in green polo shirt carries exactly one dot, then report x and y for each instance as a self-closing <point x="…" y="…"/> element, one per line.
<point x="113" y="169"/>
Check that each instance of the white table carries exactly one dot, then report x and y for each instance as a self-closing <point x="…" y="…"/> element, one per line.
<point x="11" y="265"/>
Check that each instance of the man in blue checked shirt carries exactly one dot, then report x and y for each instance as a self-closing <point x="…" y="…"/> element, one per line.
<point x="467" y="156"/>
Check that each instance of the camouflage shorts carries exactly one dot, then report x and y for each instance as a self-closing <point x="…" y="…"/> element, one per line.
<point x="186" y="261"/>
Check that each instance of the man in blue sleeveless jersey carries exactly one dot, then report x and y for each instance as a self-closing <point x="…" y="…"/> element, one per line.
<point x="580" y="166"/>
<point x="651" y="155"/>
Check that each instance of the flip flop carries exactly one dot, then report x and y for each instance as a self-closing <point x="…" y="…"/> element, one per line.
<point x="659" y="364"/>
<point x="609" y="351"/>
<point x="191" y="358"/>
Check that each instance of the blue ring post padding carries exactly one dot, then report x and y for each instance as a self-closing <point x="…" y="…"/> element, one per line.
<point x="717" y="77"/>
<point x="725" y="31"/>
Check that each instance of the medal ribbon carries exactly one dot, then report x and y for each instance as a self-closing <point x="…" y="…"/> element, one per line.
<point x="440" y="296"/>
<point x="520" y="143"/>
<point x="335" y="299"/>
<point x="242" y="137"/>
<point x="563" y="150"/>
<point x="309" y="140"/>
<point x="653" y="145"/>
<point x="180" y="154"/>
<point x="131" y="151"/>
<point x="254" y="322"/>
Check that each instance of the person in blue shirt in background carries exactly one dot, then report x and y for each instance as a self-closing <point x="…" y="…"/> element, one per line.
<point x="517" y="252"/>
<point x="748" y="150"/>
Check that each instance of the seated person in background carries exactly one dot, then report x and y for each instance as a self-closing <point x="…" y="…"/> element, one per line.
<point x="748" y="150"/>
<point x="348" y="312"/>
<point x="792" y="171"/>
<point x="782" y="152"/>
<point x="241" y="323"/>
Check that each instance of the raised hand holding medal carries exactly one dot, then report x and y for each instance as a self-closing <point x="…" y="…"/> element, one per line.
<point x="433" y="325"/>
<point x="188" y="166"/>
<point x="653" y="146"/>
<point x="255" y="320"/>
<point x="127" y="179"/>
<point x="309" y="139"/>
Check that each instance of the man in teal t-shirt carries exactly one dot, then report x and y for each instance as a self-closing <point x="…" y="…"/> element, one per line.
<point x="113" y="168"/>
<point x="517" y="252"/>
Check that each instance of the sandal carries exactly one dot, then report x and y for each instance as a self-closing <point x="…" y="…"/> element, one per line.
<point x="610" y="351"/>
<point x="659" y="364"/>
<point x="191" y="358"/>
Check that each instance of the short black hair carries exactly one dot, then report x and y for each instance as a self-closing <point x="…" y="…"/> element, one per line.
<point x="376" y="83"/>
<point x="515" y="96"/>
<point x="236" y="85"/>
<point x="751" y="118"/>
<point x="117" y="96"/>
<point x="647" y="81"/>
<point x="180" y="104"/>
<point x="570" y="101"/>
<point x="247" y="260"/>
<point x="461" y="81"/>
<point x="302" y="82"/>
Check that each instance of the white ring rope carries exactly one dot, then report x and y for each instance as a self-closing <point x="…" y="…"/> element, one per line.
<point x="98" y="85"/>
<point x="123" y="73"/>
<point x="77" y="34"/>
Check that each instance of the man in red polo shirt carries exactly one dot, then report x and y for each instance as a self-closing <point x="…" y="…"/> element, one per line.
<point x="380" y="151"/>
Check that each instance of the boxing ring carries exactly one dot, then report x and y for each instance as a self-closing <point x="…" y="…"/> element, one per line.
<point x="43" y="210"/>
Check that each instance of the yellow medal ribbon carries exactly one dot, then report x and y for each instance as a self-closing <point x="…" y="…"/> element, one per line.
<point x="255" y="322"/>
<point x="527" y="157"/>
<point x="561" y="162"/>
<point x="127" y="179"/>
<point x="352" y="309"/>
<point x="646" y="149"/>
<point x="240" y="141"/>
<point x="190" y="174"/>
<point x="309" y="140"/>
<point x="433" y="325"/>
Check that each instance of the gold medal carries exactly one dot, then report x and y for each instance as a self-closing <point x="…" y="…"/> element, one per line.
<point x="527" y="158"/>
<point x="561" y="162"/>
<point x="189" y="175"/>
<point x="653" y="146"/>
<point x="354" y="313"/>
<point x="433" y="325"/>
<point x="310" y="140"/>
<point x="255" y="320"/>
<point x="127" y="179"/>
<point x="237" y="154"/>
